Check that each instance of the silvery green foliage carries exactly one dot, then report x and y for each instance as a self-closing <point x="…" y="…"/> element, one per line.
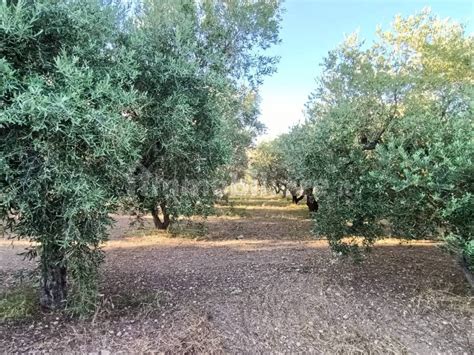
<point x="390" y="141"/>
<point x="279" y="164"/>
<point x="67" y="143"/>
<point x="292" y="146"/>
<point x="268" y="166"/>
<point x="199" y="67"/>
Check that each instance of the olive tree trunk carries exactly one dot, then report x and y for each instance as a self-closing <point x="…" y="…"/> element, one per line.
<point x="310" y="200"/>
<point x="294" y="196"/>
<point x="53" y="283"/>
<point x="161" y="224"/>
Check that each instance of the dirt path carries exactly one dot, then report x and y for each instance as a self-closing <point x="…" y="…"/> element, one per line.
<point x="256" y="281"/>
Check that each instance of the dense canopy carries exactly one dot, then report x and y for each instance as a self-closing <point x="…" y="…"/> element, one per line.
<point x="104" y="108"/>
<point x="388" y="143"/>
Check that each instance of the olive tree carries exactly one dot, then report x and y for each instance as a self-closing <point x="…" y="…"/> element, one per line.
<point x="268" y="167"/>
<point x="390" y="136"/>
<point x="200" y="64"/>
<point x="293" y="150"/>
<point x="67" y="141"/>
<point x="280" y="165"/>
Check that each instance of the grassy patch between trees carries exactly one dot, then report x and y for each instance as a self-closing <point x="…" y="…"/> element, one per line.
<point x="18" y="303"/>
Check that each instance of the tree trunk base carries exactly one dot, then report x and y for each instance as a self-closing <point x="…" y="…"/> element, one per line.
<point x="296" y="199"/>
<point x="160" y="224"/>
<point x="53" y="288"/>
<point x="467" y="273"/>
<point x="311" y="202"/>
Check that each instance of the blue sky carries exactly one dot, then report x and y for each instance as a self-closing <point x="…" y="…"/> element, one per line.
<point x="311" y="28"/>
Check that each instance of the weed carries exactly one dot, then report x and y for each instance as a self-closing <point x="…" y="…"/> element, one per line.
<point x="18" y="303"/>
<point x="187" y="229"/>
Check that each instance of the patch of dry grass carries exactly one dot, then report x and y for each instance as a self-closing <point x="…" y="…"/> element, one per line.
<point x="187" y="228"/>
<point x="354" y="340"/>
<point x="191" y="333"/>
<point x="18" y="303"/>
<point x="442" y="299"/>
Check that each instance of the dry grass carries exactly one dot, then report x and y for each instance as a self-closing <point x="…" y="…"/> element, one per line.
<point x="193" y="334"/>
<point x="253" y="280"/>
<point x="18" y="303"/>
<point x="444" y="299"/>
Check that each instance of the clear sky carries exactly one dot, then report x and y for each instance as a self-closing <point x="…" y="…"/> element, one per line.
<point x="311" y="28"/>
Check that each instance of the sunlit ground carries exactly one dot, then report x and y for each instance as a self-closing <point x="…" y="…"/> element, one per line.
<point x="249" y="278"/>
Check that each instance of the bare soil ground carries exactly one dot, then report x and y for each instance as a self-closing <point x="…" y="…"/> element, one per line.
<point x="254" y="280"/>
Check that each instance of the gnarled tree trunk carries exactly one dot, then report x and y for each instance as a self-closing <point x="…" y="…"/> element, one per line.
<point x="53" y="284"/>
<point x="310" y="200"/>
<point x="294" y="196"/>
<point x="161" y="224"/>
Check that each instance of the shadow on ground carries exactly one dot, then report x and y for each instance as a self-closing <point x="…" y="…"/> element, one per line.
<point x="260" y="283"/>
